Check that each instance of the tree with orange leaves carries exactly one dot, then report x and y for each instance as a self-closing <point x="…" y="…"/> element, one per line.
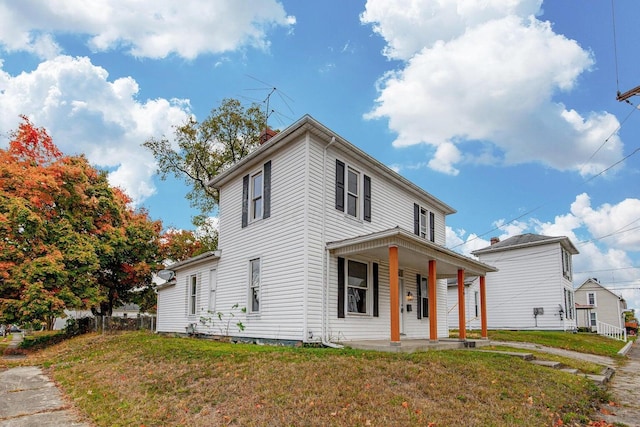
<point x="61" y="228"/>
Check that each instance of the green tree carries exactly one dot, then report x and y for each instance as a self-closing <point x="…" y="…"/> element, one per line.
<point x="205" y="149"/>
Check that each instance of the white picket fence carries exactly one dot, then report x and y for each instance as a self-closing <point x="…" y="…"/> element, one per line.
<point x="611" y="331"/>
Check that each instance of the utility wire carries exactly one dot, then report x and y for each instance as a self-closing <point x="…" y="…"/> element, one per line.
<point x="615" y="44"/>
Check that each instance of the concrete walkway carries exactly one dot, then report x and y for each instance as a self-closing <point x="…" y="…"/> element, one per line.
<point x="28" y="398"/>
<point x="624" y="386"/>
<point x="625" y="389"/>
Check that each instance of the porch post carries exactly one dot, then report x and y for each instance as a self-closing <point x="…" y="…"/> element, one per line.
<point x="433" y="314"/>
<point x="462" y="321"/>
<point x="394" y="295"/>
<point x="483" y="307"/>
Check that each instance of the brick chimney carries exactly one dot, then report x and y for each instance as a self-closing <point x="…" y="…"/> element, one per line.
<point x="494" y="240"/>
<point x="267" y="134"/>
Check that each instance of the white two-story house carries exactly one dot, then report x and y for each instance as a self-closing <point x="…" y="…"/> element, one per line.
<point x="319" y="243"/>
<point x="599" y="308"/>
<point x="533" y="287"/>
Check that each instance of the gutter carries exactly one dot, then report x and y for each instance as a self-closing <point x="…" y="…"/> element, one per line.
<point x="324" y="318"/>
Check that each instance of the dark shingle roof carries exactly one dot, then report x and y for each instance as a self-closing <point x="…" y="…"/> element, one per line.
<point x="524" y="240"/>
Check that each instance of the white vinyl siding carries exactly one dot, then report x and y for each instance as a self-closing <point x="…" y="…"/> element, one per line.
<point x="527" y="278"/>
<point x="173" y="305"/>
<point x="279" y="244"/>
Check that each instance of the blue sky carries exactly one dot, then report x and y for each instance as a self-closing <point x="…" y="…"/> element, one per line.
<point x="504" y="110"/>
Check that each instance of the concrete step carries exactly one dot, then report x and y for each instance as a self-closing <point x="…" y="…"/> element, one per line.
<point x="570" y="370"/>
<point x="523" y="356"/>
<point x="547" y="363"/>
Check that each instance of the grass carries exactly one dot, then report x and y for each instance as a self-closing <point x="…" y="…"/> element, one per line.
<point x="583" y="342"/>
<point x="144" y="379"/>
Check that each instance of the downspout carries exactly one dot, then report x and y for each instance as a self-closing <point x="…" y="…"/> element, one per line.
<point x="325" y="288"/>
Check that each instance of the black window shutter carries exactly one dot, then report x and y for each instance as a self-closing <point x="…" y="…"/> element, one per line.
<point x="419" y="297"/>
<point x="375" y="289"/>
<point x="340" y="287"/>
<point x="416" y="219"/>
<point x="245" y="201"/>
<point x="339" y="185"/>
<point x="267" y="190"/>
<point x="432" y="225"/>
<point x="367" y="198"/>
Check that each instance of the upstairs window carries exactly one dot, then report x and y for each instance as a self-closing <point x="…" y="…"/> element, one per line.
<point x="591" y="298"/>
<point x="256" y="195"/>
<point x="353" y="192"/>
<point x="566" y="265"/>
<point x="424" y="223"/>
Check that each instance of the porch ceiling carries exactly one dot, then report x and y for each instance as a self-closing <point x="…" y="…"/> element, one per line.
<point x="413" y="252"/>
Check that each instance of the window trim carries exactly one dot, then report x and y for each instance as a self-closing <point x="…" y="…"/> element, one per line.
<point x="343" y="193"/>
<point x="427" y="230"/>
<point x="253" y="199"/>
<point x="349" y="194"/>
<point x="368" y="288"/>
<point x="192" y="293"/>
<point x="252" y="286"/>
<point x="424" y="303"/>
<point x="248" y="199"/>
<point x="595" y="301"/>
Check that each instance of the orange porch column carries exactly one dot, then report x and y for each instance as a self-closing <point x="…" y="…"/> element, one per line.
<point x="433" y="314"/>
<point x="483" y="307"/>
<point x="462" y="321"/>
<point x="394" y="294"/>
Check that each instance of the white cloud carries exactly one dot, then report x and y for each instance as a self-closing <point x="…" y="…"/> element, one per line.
<point x="472" y="73"/>
<point x="610" y="259"/>
<point x="86" y="113"/>
<point x="146" y="28"/>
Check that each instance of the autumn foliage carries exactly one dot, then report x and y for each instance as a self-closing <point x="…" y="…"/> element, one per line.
<point x="67" y="238"/>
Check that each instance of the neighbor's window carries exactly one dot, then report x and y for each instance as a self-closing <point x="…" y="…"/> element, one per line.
<point x="256" y="196"/>
<point x="254" y="285"/>
<point x="193" y="293"/>
<point x="424" y="294"/>
<point x="591" y="298"/>
<point x="357" y="287"/>
<point x="353" y="177"/>
<point x="593" y="317"/>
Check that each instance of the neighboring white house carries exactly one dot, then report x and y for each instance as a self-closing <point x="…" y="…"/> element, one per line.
<point x="533" y="287"/>
<point x="472" y="304"/>
<point x="319" y="242"/>
<point x="596" y="303"/>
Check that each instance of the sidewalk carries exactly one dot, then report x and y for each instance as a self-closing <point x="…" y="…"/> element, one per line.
<point x="625" y="389"/>
<point x="29" y="399"/>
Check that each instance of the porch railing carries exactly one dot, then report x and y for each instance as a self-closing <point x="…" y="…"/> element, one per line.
<point x="611" y="331"/>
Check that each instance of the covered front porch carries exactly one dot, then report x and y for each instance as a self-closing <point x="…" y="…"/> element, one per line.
<point x="401" y="250"/>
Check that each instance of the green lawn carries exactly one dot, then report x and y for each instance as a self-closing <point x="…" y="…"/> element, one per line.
<point x="140" y="379"/>
<point x="583" y="342"/>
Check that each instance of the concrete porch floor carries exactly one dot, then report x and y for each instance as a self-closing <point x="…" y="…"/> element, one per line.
<point x="413" y="345"/>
